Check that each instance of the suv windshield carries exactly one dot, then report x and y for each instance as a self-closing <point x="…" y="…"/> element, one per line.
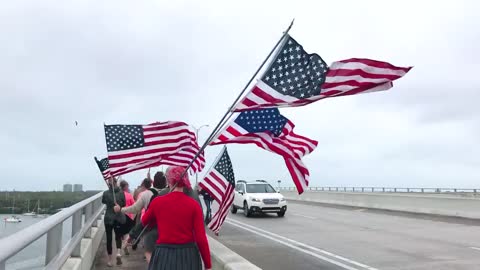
<point x="260" y="188"/>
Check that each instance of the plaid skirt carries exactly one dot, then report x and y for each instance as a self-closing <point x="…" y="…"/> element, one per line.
<point x="176" y="257"/>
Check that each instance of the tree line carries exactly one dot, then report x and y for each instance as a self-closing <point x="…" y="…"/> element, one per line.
<point x="50" y="201"/>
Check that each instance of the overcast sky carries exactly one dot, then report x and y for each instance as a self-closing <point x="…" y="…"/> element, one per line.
<point x="136" y="62"/>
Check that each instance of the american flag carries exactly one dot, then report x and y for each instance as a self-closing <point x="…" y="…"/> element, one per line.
<point x="219" y="182"/>
<point x="296" y="78"/>
<point x="270" y="130"/>
<point x="103" y="167"/>
<point x="135" y="147"/>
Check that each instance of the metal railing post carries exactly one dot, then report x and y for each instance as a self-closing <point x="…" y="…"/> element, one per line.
<point x="95" y="206"/>
<point x="88" y="216"/>
<point x="54" y="242"/>
<point x="76" y="226"/>
<point x="99" y="205"/>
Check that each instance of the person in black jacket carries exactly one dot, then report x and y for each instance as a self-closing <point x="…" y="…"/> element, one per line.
<point x="112" y="220"/>
<point x="207" y="199"/>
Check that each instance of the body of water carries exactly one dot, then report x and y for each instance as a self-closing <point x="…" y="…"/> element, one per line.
<point x="33" y="256"/>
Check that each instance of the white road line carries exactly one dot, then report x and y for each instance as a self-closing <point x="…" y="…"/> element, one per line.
<point x="476" y="248"/>
<point x="300" y="246"/>
<point x="299" y="215"/>
<point x="295" y="247"/>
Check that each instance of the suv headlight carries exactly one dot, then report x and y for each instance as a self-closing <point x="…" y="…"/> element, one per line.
<point x="282" y="199"/>
<point x="256" y="200"/>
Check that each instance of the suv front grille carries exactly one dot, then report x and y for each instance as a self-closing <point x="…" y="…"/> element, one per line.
<point x="271" y="201"/>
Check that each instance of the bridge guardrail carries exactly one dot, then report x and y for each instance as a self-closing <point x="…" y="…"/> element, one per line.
<point x="56" y="254"/>
<point x="388" y="189"/>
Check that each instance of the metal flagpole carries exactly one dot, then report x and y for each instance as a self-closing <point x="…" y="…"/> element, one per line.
<point x="229" y="111"/>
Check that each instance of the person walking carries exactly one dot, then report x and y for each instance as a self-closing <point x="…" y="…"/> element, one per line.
<point x="182" y="242"/>
<point x="124" y="186"/>
<point x="142" y="203"/>
<point x="207" y="199"/>
<point x="146" y="184"/>
<point x="111" y="197"/>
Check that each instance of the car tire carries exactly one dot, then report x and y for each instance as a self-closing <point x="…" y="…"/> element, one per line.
<point x="281" y="214"/>
<point x="233" y="209"/>
<point x="246" y="211"/>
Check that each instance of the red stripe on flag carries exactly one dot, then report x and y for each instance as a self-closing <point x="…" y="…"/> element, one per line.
<point x="259" y="92"/>
<point x="363" y="85"/>
<point x="375" y="63"/>
<point x="361" y="73"/>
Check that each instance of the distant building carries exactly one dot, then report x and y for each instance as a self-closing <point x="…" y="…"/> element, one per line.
<point x="77" y="188"/>
<point x="67" y="188"/>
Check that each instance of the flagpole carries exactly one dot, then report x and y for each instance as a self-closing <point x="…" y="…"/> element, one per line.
<point x="111" y="180"/>
<point x="229" y="111"/>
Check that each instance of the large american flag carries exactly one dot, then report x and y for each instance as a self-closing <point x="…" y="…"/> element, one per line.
<point x="270" y="130"/>
<point x="219" y="182"/>
<point x="135" y="147"/>
<point x="103" y="167"/>
<point x="296" y="78"/>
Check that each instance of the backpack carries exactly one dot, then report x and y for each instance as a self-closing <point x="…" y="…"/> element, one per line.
<point x="155" y="194"/>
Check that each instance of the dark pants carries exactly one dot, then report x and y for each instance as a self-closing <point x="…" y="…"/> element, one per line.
<point x="109" y="228"/>
<point x="208" y="204"/>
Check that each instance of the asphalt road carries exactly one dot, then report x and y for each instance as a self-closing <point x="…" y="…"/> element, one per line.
<point x="322" y="237"/>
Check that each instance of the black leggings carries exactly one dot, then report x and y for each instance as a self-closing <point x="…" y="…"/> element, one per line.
<point x="109" y="228"/>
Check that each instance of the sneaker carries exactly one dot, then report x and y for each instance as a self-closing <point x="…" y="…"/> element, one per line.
<point x="109" y="264"/>
<point x="119" y="260"/>
<point x="125" y="250"/>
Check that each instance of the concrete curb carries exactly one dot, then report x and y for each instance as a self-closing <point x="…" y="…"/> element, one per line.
<point x="433" y="205"/>
<point x="226" y="259"/>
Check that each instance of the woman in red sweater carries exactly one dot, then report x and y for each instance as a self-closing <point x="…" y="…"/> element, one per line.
<point x="181" y="233"/>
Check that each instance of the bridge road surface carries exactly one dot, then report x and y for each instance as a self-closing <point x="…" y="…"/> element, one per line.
<point x="313" y="236"/>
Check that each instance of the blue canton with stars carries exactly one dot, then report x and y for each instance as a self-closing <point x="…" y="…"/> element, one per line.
<point x="296" y="73"/>
<point x="103" y="164"/>
<point x="124" y="137"/>
<point x="225" y="168"/>
<point x="262" y="120"/>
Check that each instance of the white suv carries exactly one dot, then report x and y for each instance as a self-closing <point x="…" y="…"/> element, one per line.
<point x="258" y="197"/>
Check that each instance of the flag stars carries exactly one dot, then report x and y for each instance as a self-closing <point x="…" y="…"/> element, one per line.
<point x="292" y="67"/>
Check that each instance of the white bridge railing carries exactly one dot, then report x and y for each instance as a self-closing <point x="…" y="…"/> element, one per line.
<point x="85" y="215"/>
<point x="388" y="189"/>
